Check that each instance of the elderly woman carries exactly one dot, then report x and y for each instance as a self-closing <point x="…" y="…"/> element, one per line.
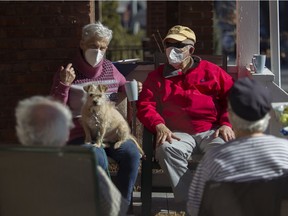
<point x="90" y="66"/>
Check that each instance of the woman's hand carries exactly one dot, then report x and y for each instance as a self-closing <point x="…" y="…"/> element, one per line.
<point x="67" y="75"/>
<point x="164" y="134"/>
<point x="140" y="86"/>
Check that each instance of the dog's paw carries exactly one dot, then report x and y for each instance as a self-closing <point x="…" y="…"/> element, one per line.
<point x="105" y="145"/>
<point x="117" y="144"/>
<point x="97" y="145"/>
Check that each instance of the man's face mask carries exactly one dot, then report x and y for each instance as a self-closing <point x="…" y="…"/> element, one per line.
<point x="177" y="56"/>
<point x="94" y="56"/>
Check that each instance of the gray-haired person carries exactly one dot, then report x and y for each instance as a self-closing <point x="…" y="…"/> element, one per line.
<point x="253" y="155"/>
<point x="90" y="66"/>
<point x="184" y="103"/>
<point x="43" y="121"/>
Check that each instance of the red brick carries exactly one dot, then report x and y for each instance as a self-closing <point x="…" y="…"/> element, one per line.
<point x="194" y="14"/>
<point x="36" y="38"/>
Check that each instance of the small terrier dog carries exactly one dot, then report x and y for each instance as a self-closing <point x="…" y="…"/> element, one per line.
<point x="102" y="121"/>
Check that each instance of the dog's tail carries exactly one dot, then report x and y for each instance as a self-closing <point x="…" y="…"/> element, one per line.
<point x="138" y="146"/>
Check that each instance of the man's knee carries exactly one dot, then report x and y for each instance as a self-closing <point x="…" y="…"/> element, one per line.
<point x="166" y="151"/>
<point x="160" y="152"/>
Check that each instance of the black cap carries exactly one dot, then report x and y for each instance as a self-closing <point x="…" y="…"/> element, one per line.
<point x="249" y="99"/>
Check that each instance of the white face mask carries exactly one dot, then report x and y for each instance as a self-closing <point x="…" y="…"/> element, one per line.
<point x="94" y="56"/>
<point x="176" y="56"/>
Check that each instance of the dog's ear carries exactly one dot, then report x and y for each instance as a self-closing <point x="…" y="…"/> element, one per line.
<point x="89" y="87"/>
<point x="86" y="88"/>
<point x="102" y="88"/>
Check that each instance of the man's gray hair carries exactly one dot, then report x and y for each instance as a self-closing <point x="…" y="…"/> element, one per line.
<point x="240" y="124"/>
<point x="42" y="121"/>
<point x="96" y="29"/>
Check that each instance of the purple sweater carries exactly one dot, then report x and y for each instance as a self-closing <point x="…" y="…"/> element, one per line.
<point x="105" y="73"/>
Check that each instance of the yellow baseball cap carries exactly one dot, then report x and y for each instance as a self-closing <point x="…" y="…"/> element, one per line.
<point x="180" y="33"/>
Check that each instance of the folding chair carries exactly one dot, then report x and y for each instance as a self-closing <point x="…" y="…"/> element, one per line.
<point x="48" y="181"/>
<point x="254" y="198"/>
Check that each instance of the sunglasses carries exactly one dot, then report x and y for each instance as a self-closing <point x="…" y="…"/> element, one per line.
<point x="177" y="45"/>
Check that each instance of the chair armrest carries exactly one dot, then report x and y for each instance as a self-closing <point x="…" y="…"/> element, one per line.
<point x="146" y="172"/>
<point x="147" y="145"/>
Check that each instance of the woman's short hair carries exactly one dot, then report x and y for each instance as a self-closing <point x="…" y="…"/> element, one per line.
<point x="96" y="29"/>
<point x="42" y="121"/>
<point x="240" y="124"/>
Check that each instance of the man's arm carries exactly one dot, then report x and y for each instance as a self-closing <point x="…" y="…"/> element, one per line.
<point x="112" y="202"/>
<point x="147" y="105"/>
<point x="225" y="83"/>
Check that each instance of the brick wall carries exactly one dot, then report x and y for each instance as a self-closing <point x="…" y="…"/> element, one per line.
<point x="198" y="15"/>
<point x="36" y="38"/>
<point x="39" y="36"/>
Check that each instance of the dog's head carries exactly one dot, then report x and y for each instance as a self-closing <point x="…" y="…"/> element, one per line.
<point x="95" y="94"/>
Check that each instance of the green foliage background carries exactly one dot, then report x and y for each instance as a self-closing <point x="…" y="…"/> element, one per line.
<point x="122" y="40"/>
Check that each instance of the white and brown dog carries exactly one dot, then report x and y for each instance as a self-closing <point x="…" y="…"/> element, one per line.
<point x="102" y="121"/>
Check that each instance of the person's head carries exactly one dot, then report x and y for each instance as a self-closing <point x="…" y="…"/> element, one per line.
<point x="94" y="42"/>
<point x="179" y="45"/>
<point x="42" y="121"/>
<point x="249" y="104"/>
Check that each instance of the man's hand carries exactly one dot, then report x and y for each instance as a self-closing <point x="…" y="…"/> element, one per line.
<point x="67" y="75"/>
<point x="164" y="134"/>
<point x="226" y="132"/>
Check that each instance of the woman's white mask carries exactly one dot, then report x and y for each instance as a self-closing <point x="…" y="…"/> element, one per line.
<point x="94" y="56"/>
<point x="176" y="56"/>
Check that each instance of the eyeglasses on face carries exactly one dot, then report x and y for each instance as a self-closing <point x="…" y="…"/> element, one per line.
<point x="177" y="45"/>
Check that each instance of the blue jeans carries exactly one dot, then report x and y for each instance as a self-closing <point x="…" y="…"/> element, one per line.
<point x="100" y="156"/>
<point x="128" y="159"/>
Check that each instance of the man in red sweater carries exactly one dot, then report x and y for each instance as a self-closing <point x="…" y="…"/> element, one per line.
<point x="184" y="102"/>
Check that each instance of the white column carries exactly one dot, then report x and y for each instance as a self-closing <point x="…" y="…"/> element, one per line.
<point x="248" y="33"/>
<point x="274" y="40"/>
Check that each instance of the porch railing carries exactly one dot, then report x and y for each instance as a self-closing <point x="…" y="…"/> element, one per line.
<point x="129" y="52"/>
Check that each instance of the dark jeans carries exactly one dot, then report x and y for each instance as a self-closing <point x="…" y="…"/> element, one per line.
<point x="128" y="159"/>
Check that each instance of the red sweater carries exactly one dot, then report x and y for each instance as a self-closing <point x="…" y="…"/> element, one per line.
<point x="193" y="102"/>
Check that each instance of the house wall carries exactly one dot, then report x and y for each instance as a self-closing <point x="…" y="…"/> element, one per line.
<point x="36" y="38"/>
<point x="198" y="15"/>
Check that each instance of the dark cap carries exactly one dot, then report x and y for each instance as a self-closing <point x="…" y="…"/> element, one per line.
<point x="249" y="99"/>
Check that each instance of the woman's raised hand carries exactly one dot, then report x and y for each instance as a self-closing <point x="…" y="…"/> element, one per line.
<point x="67" y="75"/>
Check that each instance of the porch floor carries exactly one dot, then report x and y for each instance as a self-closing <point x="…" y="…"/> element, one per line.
<point x="162" y="204"/>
